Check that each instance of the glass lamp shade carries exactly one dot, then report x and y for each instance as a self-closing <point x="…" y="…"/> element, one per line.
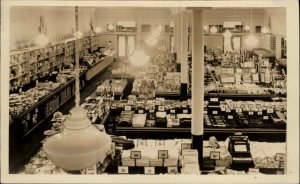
<point x="80" y="145"/>
<point x="213" y="29"/>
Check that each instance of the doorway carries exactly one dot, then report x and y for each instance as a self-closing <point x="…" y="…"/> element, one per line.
<point x="126" y="46"/>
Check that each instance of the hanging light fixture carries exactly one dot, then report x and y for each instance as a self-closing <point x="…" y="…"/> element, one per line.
<point x="251" y="40"/>
<point x="247" y="27"/>
<point x="42" y="39"/>
<point x="227" y="34"/>
<point x="205" y="27"/>
<point x="79" y="145"/>
<point x="213" y="29"/>
<point x="98" y="29"/>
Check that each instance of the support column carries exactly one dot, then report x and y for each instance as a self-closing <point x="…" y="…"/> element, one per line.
<point x="184" y="54"/>
<point x="177" y="35"/>
<point x="197" y="82"/>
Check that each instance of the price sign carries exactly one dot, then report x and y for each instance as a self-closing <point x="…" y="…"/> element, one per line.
<point x="130" y="102"/>
<point x="214" y="99"/>
<point x="91" y="170"/>
<point x="123" y="169"/>
<point x="230" y="117"/>
<point x="215" y="112"/>
<point x="127" y="108"/>
<point x="250" y="113"/>
<point x="259" y="113"/>
<point x="162" y="154"/>
<point x="141" y="111"/>
<point x="172" y="111"/>
<point x="161" y="108"/>
<point x="185" y="146"/>
<point x="228" y="110"/>
<point x="265" y="117"/>
<point x="141" y="142"/>
<point x="269" y="110"/>
<point x="159" y="142"/>
<point x="149" y="170"/>
<point x="172" y="170"/>
<point x="135" y="154"/>
<point x="185" y="111"/>
<point x="214" y="155"/>
<point x="280" y="157"/>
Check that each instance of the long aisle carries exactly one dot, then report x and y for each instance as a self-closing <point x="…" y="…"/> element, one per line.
<point x="21" y="156"/>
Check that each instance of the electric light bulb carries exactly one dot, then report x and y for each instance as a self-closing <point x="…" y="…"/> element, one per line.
<point x="110" y="27"/>
<point x="264" y="30"/>
<point x="139" y="58"/>
<point x="247" y="28"/>
<point x="98" y="29"/>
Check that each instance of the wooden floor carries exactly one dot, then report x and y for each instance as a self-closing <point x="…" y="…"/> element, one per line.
<point x="21" y="156"/>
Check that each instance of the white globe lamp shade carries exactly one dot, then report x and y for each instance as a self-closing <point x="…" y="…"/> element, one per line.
<point x="98" y="29"/>
<point x="213" y="29"/>
<point x="264" y="30"/>
<point x="247" y="28"/>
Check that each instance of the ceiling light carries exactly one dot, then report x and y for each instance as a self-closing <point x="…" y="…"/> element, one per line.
<point x="139" y="58"/>
<point x="213" y="29"/>
<point x="247" y="28"/>
<point x="98" y="29"/>
<point x="264" y="30"/>
<point x="110" y="27"/>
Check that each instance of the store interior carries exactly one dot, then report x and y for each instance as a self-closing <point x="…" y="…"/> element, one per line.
<point x="147" y="90"/>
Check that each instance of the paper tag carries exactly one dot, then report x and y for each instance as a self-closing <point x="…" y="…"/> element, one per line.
<point x="123" y="169"/>
<point x="162" y="154"/>
<point x="214" y="99"/>
<point x="250" y="113"/>
<point x="259" y="113"/>
<point x="230" y="117"/>
<point x="269" y="110"/>
<point x="172" y="111"/>
<point x="172" y="170"/>
<point x="141" y="142"/>
<point x="161" y="108"/>
<point x="149" y="170"/>
<point x="159" y="142"/>
<point x="214" y="155"/>
<point x="280" y="157"/>
<point x="215" y="112"/>
<point x="141" y="111"/>
<point x="127" y="108"/>
<point x="135" y="154"/>
<point x="185" y="111"/>
<point x="265" y="117"/>
<point x="130" y="102"/>
<point x="185" y="146"/>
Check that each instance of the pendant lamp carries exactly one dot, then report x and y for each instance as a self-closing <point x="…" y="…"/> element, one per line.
<point x="80" y="145"/>
<point x="251" y="40"/>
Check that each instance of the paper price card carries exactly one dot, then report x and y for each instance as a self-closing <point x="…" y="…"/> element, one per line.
<point x="185" y="146"/>
<point x="141" y="142"/>
<point x="259" y="113"/>
<point x="161" y="108"/>
<point x="162" y="154"/>
<point x="172" y="170"/>
<point x="265" y="117"/>
<point x="214" y="99"/>
<point x="123" y="169"/>
<point x="127" y="108"/>
<point x="215" y="112"/>
<point x="141" y="111"/>
<point x="185" y="111"/>
<point x="130" y="102"/>
<point x="280" y="157"/>
<point x="269" y="110"/>
<point x="172" y="111"/>
<point x="250" y="113"/>
<point x="238" y="110"/>
<point x="214" y="155"/>
<point x="135" y="154"/>
<point x="230" y="117"/>
<point x="149" y="170"/>
<point x="159" y="142"/>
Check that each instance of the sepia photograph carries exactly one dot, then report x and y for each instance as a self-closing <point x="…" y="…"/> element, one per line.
<point x="149" y="91"/>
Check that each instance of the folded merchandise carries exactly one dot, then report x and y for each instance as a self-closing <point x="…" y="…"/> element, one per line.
<point x="126" y="118"/>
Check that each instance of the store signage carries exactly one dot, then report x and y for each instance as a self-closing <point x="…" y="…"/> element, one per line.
<point x="214" y="155"/>
<point x="162" y="154"/>
<point x="205" y="112"/>
<point x="149" y="170"/>
<point x="127" y="108"/>
<point x="123" y="169"/>
<point x="280" y="157"/>
<point x="159" y="142"/>
<point x="238" y="110"/>
<point x="135" y="154"/>
<point x="172" y="170"/>
<point x="141" y="142"/>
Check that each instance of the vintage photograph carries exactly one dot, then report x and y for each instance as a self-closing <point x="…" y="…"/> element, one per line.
<point x="181" y="90"/>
